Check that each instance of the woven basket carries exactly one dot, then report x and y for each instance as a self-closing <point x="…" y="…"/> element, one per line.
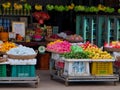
<point x="2" y="59"/>
<point x="51" y="39"/>
<point x="73" y="41"/>
<point x="53" y="51"/>
<point x="112" y="49"/>
<point x="2" y="53"/>
<point x="118" y="58"/>
<point x="22" y="56"/>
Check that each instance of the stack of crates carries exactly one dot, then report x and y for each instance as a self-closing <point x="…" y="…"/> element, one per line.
<point x="23" y="69"/>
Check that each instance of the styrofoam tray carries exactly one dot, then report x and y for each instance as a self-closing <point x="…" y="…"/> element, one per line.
<point x="22" y="62"/>
<point x="90" y="60"/>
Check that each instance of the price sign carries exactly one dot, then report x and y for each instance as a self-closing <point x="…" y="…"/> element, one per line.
<point x="41" y="49"/>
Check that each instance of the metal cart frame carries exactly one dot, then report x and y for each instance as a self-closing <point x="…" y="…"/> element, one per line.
<point x="34" y="80"/>
<point x="54" y="74"/>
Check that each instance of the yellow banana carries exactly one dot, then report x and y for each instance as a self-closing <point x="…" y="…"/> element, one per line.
<point x="38" y="7"/>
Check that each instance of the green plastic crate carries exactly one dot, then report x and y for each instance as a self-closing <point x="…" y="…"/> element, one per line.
<point x="23" y="71"/>
<point x="3" y="71"/>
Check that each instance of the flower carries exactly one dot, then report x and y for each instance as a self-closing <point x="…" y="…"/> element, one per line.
<point x="41" y="16"/>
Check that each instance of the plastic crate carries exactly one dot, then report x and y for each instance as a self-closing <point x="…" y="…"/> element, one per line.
<point x="102" y="68"/>
<point x="3" y="71"/>
<point x="76" y="68"/>
<point x="23" y="71"/>
<point x="59" y="64"/>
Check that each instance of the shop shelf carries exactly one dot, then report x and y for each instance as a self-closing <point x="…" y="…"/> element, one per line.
<point x="23" y="71"/>
<point x="102" y="68"/>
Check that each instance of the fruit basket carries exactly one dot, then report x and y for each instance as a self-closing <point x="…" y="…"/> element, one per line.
<point x="22" y="56"/>
<point x="2" y="59"/>
<point x="74" y="41"/>
<point x="52" y="39"/>
<point x="74" y="38"/>
<point x="2" y="53"/>
<point x="117" y="56"/>
<point x="52" y="51"/>
<point x="112" y="49"/>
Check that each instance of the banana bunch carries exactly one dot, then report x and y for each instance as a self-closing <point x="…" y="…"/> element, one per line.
<point x="17" y="6"/>
<point x="101" y="7"/>
<point x="38" y="7"/>
<point x="6" y="5"/>
<point x="71" y="6"/>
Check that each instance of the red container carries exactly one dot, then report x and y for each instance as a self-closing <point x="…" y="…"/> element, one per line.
<point x="117" y="63"/>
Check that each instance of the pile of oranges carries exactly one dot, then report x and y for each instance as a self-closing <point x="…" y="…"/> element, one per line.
<point x="6" y="46"/>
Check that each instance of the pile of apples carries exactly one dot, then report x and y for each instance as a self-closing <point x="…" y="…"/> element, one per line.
<point x="59" y="46"/>
<point x="113" y="44"/>
<point x="74" y="38"/>
<point x="55" y="36"/>
<point x="96" y="53"/>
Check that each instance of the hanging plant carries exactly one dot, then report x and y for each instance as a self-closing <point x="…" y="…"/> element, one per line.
<point x="49" y="7"/>
<point x="27" y="6"/>
<point x="41" y="16"/>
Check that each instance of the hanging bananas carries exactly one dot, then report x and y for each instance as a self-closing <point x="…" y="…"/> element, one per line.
<point x="6" y="5"/>
<point x="38" y="7"/>
<point x="17" y="6"/>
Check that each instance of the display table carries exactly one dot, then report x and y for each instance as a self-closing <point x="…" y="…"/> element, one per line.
<point x="81" y="70"/>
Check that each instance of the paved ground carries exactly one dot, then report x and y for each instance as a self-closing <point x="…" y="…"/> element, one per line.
<point x="47" y="84"/>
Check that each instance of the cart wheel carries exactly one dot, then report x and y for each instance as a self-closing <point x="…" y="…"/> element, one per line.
<point x="51" y="77"/>
<point x="115" y="83"/>
<point x="37" y="83"/>
<point x="66" y="83"/>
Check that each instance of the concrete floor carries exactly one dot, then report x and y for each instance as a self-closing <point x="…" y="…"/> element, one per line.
<point x="47" y="84"/>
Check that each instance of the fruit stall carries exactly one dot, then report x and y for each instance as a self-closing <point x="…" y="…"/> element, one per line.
<point x="17" y="64"/>
<point x="80" y="62"/>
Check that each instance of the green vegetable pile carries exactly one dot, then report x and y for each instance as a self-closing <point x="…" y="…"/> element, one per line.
<point x="76" y="48"/>
<point x="76" y="55"/>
